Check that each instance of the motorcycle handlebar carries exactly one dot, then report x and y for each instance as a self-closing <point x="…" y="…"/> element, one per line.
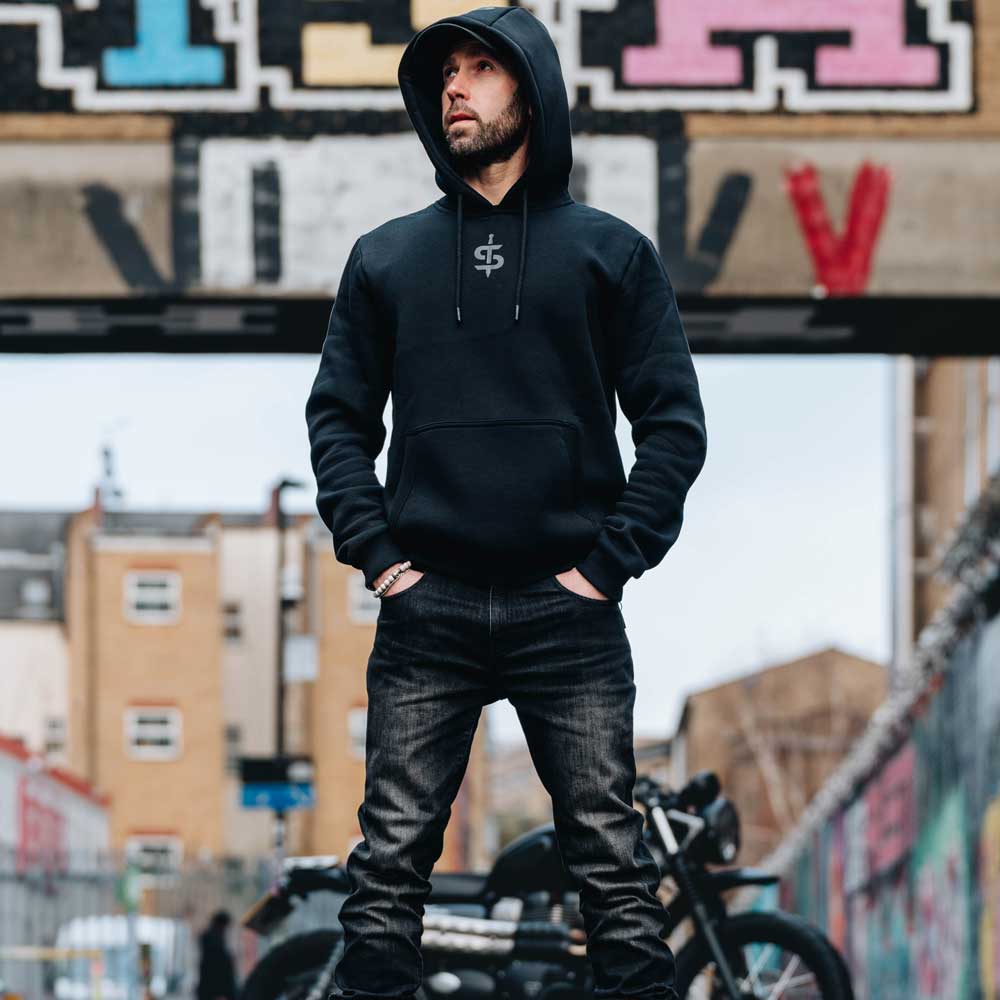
<point x="699" y="792"/>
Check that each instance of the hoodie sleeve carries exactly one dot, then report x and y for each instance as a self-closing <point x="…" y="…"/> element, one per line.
<point x="658" y="390"/>
<point x="346" y="432"/>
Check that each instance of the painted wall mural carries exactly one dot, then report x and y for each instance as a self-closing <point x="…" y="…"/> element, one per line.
<point x="842" y="261"/>
<point x="912" y="894"/>
<point x="233" y="55"/>
<point x="989" y="890"/>
<point x="737" y="48"/>
<point x="258" y="139"/>
<point x="274" y="216"/>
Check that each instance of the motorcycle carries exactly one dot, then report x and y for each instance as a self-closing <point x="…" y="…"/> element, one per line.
<point x="516" y="932"/>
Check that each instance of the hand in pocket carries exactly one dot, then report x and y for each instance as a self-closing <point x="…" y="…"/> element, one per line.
<point x="403" y="582"/>
<point x="573" y="579"/>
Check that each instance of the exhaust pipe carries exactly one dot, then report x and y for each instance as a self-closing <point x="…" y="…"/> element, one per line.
<point x="487" y="936"/>
<point x="468" y="935"/>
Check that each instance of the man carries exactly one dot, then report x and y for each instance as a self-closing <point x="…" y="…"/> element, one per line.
<point x="503" y="318"/>
<point x="216" y="970"/>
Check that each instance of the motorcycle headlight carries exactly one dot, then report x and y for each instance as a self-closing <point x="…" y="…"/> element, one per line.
<point x="721" y="836"/>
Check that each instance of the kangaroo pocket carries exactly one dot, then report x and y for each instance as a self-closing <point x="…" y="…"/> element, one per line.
<point x="506" y="490"/>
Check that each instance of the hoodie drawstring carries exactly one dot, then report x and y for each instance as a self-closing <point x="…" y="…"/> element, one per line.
<point x="520" y="265"/>
<point x="458" y="261"/>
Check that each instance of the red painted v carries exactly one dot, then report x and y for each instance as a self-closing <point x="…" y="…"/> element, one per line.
<point x="842" y="263"/>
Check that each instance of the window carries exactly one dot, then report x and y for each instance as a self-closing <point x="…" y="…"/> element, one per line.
<point x="153" y="733"/>
<point x="291" y="586"/>
<point x="153" y="597"/>
<point x="232" y="620"/>
<point x="155" y="855"/>
<point x="55" y="735"/>
<point x="234" y="746"/>
<point x="36" y="597"/>
<point x="362" y="604"/>
<point x="357" y="728"/>
<point x="301" y="653"/>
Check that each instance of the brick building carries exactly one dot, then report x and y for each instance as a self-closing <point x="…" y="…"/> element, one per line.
<point x="150" y="667"/>
<point x="774" y="735"/>
<point x="947" y="446"/>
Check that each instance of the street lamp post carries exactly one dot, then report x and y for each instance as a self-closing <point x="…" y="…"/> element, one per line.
<point x="279" y="691"/>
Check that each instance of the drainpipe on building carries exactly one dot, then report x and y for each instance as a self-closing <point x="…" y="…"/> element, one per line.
<point x="279" y="680"/>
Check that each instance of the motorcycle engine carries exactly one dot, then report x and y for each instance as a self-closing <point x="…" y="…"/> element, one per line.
<point x="518" y="979"/>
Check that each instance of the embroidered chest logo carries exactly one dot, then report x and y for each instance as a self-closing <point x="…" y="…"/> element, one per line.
<point x="488" y="252"/>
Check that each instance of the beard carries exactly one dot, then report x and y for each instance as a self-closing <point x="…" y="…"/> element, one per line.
<point x="494" y="141"/>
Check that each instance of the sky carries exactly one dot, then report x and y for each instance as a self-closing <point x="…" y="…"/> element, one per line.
<point x="784" y="548"/>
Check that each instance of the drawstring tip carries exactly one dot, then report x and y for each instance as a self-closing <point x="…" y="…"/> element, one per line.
<point x="458" y="312"/>
<point x="517" y="312"/>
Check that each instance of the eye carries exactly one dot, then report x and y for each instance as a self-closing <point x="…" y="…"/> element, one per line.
<point x="480" y="65"/>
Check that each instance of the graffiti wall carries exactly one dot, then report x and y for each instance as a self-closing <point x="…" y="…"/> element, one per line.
<point x="240" y="146"/>
<point x="906" y="878"/>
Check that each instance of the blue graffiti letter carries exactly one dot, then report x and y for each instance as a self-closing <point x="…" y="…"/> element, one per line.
<point x="164" y="55"/>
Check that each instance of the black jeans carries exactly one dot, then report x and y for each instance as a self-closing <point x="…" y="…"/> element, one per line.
<point x="443" y="649"/>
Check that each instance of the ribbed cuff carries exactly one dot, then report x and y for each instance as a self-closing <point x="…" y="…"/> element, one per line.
<point x="603" y="573"/>
<point x="380" y="554"/>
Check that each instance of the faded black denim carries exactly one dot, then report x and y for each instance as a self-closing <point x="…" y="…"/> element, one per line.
<point x="443" y="649"/>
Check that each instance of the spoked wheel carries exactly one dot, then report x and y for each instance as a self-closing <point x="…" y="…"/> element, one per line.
<point x="773" y="956"/>
<point x="292" y="969"/>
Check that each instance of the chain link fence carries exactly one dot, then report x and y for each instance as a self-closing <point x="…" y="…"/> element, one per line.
<point x="75" y="926"/>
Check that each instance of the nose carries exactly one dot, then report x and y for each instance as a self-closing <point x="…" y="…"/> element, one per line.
<point x="456" y="86"/>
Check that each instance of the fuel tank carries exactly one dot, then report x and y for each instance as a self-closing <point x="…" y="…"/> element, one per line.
<point x="531" y="863"/>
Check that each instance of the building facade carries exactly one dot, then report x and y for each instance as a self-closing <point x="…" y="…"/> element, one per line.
<point x="33" y="652"/>
<point x="773" y="737"/>
<point x="48" y="816"/>
<point x="150" y="669"/>
<point x="946" y="446"/>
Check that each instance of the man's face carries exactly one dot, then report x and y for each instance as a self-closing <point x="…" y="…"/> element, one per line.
<point x="484" y="114"/>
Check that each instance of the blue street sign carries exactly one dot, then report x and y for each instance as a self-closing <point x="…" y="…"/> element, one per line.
<point x="279" y="796"/>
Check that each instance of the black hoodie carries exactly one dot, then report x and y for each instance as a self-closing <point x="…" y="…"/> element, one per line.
<point x="503" y="333"/>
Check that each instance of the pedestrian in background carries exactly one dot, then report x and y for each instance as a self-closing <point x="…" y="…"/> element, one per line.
<point x="216" y="969"/>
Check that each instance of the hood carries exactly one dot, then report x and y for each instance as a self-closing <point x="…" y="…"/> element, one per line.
<point x="544" y="183"/>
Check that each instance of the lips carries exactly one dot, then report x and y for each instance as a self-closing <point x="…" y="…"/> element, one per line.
<point x="460" y="116"/>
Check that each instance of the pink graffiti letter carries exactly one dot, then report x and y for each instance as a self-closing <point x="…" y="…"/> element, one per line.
<point x="684" y="55"/>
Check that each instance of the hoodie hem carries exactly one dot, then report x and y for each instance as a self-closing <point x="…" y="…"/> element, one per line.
<point x="603" y="574"/>
<point x="381" y="553"/>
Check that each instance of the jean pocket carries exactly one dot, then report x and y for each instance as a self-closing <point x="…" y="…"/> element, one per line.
<point x="389" y="596"/>
<point x="583" y="597"/>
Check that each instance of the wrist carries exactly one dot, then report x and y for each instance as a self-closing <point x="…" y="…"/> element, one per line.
<point x="389" y="581"/>
<point x="385" y="573"/>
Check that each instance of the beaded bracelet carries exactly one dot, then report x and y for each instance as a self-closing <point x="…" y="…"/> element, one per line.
<point x="392" y="577"/>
